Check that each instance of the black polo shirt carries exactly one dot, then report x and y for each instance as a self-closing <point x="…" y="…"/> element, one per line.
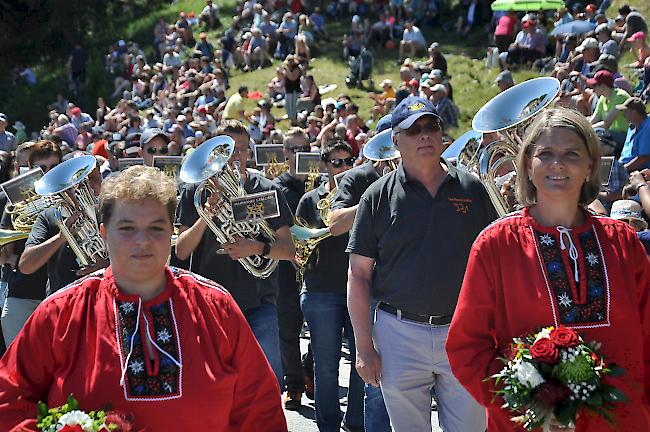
<point x="327" y="268"/>
<point x="62" y="267"/>
<point x="420" y="243"/>
<point x="292" y="187"/>
<point x="249" y="292"/>
<point x="353" y="184"/>
<point x="22" y="286"/>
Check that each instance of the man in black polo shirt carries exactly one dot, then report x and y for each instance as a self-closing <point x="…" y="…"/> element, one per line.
<point x="256" y="297"/>
<point x="46" y="245"/>
<point x="289" y="314"/>
<point x="343" y="210"/>
<point x="409" y="247"/>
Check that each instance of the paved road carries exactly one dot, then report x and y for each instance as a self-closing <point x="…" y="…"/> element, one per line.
<point x="305" y="419"/>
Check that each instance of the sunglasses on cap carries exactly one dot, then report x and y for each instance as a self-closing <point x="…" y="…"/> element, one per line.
<point x="154" y="150"/>
<point x="338" y="163"/>
<point x="295" y="150"/>
<point x="417" y="129"/>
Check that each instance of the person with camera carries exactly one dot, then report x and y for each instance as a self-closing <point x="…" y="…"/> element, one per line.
<point x="292" y="70"/>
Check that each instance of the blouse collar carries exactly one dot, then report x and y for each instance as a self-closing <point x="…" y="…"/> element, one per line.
<point x="585" y="226"/>
<point x="110" y="284"/>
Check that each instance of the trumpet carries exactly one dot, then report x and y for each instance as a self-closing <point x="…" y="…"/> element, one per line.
<point x="208" y="166"/>
<point x="67" y="183"/>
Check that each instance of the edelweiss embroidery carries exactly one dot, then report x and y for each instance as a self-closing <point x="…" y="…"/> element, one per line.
<point x="571" y="312"/>
<point x="141" y="384"/>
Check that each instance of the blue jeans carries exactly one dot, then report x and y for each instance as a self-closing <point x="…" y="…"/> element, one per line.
<point x="375" y="417"/>
<point x="327" y="316"/>
<point x="264" y="323"/>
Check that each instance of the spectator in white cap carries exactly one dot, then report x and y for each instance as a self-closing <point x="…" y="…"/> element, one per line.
<point x="446" y="109"/>
<point x="7" y="139"/>
<point x="383" y="100"/>
<point x="436" y="60"/>
<point x="606" y="43"/>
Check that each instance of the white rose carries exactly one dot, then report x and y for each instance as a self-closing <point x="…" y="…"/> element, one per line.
<point x="527" y="374"/>
<point x="76" y="418"/>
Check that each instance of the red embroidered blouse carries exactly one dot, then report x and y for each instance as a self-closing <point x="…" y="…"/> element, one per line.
<point x="204" y="370"/>
<point x="519" y="278"/>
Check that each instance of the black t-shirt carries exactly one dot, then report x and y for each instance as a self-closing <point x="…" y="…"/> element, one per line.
<point x="31" y="286"/>
<point x="62" y="267"/>
<point x="292" y="187"/>
<point x="327" y="268"/>
<point x="249" y="292"/>
<point x="353" y="184"/>
<point x="420" y="243"/>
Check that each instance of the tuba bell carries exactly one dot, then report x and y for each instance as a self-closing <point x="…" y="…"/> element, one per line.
<point x="509" y="113"/>
<point x="67" y="183"/>
<point x="465" y="150"/>
<point x="380" y="148"/>
<point x="208" y="165"/>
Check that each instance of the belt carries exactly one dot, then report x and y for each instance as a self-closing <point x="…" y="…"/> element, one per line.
<point x="427" y="319"/>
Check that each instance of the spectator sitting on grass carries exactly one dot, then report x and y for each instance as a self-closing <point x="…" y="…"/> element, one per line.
<point x="382" y="100"/>
<point x="412" y="41"/>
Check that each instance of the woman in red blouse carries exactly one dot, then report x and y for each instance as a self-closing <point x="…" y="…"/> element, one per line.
<point x="554" y="263"/>
<point x="162" y="344"/>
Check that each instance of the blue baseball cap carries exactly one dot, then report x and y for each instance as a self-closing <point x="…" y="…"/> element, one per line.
<point x="409" y="110"/>
<point x="383" y="123"/>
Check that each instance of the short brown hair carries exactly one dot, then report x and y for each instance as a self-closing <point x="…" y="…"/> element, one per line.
<point x="44" y="149"/>
<point x="566" y="119"/>
<point x="137" y="183"/>
<point x="231" y="126"/>
<point x="293" y="133"/>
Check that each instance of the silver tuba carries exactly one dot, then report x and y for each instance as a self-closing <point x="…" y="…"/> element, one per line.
<point x="67" y="183"/>
<point x="465" y="150"/>
<point x="208" y="165"/>
<point x="509" y="113"/>
<point x="380" y="148"/>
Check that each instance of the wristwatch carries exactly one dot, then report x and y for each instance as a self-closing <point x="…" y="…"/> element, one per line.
<point x="640" y="186"/>
<point x="267" y="248"/>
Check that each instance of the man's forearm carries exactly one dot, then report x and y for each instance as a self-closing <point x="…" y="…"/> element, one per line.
<point x="36" y="256"/>
<point x="189" y="239"/>
<point x="359" y="309"/>
<point x="638" y="163"/>
<point x="341" y="220"/>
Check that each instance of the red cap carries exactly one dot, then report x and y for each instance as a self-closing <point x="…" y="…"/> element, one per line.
<point x="602" y="77"/>
<point x="99" y="148"/>
<point x="414" y="83"/>
<point x="75" y="111"/>
<point x="590" y="7"/>
<point x="202" y="109"/>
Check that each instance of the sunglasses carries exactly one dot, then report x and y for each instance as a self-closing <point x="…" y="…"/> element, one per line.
<point x="418" y="129"/>
<point x="154" y="150"/>
<point x="338" y="163"/>
<point x="295" y="150"/>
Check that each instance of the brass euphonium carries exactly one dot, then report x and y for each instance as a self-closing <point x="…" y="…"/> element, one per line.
<point x="509" y="113"/>
<point x="68" y="184"/>
<point x="380" y="148"/>
<point x="306" y="240"/>
<point x="208" y="165"/>
<point x="465" y="151"/>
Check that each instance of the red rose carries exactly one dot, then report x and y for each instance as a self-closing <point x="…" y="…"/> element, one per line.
<point x="544" y="351"/>
<point x="564" y="337"/>
<point x="71" y="428"/>
<point x="550" y="393"/>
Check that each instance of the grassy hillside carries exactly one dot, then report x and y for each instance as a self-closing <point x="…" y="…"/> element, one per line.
<point x="472" y="82"/>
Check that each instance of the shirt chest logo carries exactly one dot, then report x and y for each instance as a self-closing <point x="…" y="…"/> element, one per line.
<point x="461" y="205"/>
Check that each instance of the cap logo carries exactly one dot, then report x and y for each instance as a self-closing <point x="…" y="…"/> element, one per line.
<point x="416" y="107"/>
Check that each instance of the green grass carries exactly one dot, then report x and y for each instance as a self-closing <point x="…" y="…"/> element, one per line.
<point x="472" y="82"/>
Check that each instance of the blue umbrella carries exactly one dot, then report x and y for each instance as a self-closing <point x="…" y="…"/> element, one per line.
<point x="574" y="27"/>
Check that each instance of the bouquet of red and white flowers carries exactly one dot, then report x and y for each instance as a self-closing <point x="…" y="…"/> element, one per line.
<point x="551" y="375"/>
<point x="69" y="418"/>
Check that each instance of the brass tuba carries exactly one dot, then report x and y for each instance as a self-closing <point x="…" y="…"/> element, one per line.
<point x="380" y="148"/>
<point x="208" y="165"/>
<point x="306" y="240"/>
<point x="67" y="183"/>
<point x="465" y="150"/>
<point x="509" y="113"/>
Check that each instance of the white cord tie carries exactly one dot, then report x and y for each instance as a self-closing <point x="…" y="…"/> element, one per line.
<point x="573" y="251"/>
